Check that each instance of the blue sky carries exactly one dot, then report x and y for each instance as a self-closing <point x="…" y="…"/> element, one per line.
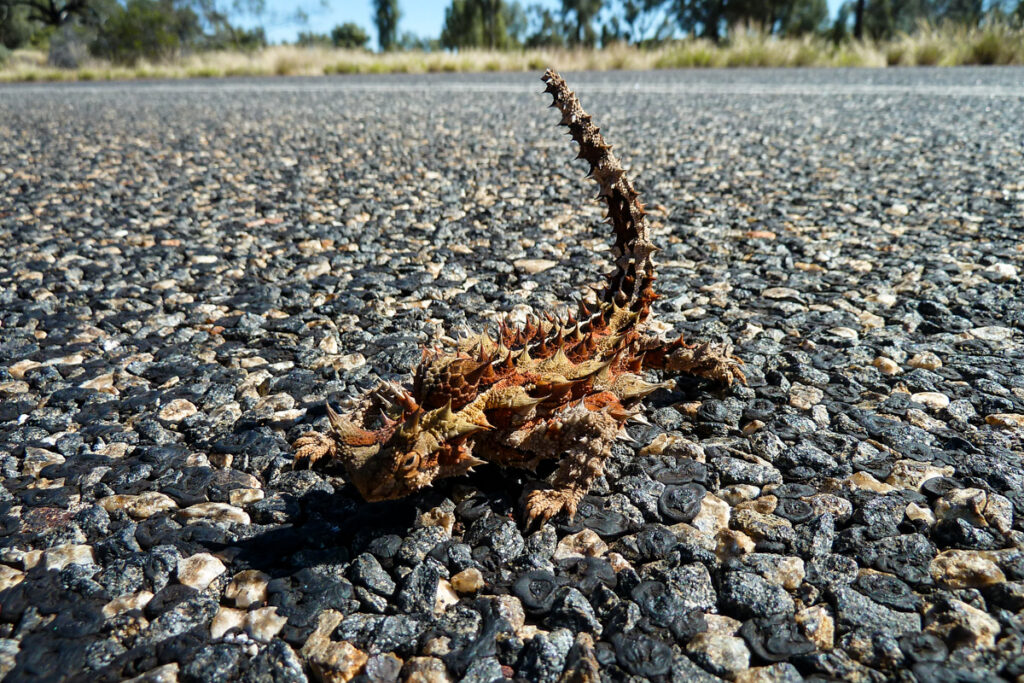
<point x="422" y="17"/>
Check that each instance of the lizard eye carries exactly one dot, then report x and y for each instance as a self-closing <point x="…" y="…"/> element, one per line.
<point x="410" y="461"/>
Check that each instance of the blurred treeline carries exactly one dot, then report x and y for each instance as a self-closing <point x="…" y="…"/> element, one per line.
<point x="498" y="24"/>
<point x="652" y="23"/>
<point x="125" y="31"/>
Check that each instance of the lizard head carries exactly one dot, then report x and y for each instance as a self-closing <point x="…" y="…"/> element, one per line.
<point x="406" y="455"/>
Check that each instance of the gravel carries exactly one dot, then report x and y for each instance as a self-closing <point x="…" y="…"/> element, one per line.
<point x="191" y="269"/>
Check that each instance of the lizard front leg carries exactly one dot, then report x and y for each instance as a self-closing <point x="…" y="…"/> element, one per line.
<point x="314" y="449"/>
<point x="581" y="438"/>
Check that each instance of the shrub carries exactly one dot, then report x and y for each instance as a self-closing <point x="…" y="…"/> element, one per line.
<point x="350" y="36"/>
<point x="808" y="54"/>
<point x="15" y="28"/>
<point x="895" y="54"/>
<point x="145" y="29"/>
<point x="928" y="53"/>
<point x="69" y="46"/>
<point x="287" y="65"/>
<point x="991" y="48"/>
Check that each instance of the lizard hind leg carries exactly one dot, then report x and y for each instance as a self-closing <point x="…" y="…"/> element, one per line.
<point x="582" y="439"/>
<point x="714" y="362"/>
<point x="543" y="504"/>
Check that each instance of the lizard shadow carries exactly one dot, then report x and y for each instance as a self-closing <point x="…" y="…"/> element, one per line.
<point x="331" y="527"/>
<point x="320" y="527"/>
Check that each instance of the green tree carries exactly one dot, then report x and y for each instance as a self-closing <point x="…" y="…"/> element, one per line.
<point x="483" y="23"/>
<point x="219" y="31"/>
<point x="772" y="16"/>
<point x="63" y="28"/>
<point x="611" y="32"/>
<point x="350" y="36"/>
<point x="800" y="17"/>
<point x="639" y="17"/>
<point x="701" y="17"/>
<point x="494" y="24"/>
<point x="57" y="12"/>
<point x="516" y="23"/>
<point x="711" y="18"/>
<point x="146" y="29"/>
<point x="879" y="19"/>
<point x="218" y="13"/>
<point x="840" y="30"/>
<point x="583" y="13"/>
<point x="16" y="29"/>
<point x="546" y="30"/>
<point x="883" y="19"/>
<point x="312" y="39"/>
<point x="463" y="25"/>
<point x="386" y="16"/>
<point x="858" y="19"/>
<point x="410" y="41"/>
<point x="967" y="12"/>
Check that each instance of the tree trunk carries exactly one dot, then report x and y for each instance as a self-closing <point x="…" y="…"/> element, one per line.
<point x="858" y="20"/>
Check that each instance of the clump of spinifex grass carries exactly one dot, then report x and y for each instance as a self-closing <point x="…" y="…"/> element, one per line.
<point x="951" y="45"/>
<point x="993" y="43"/>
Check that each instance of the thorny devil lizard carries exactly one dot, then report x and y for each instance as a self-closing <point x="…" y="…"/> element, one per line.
<point x="550" y="388"/>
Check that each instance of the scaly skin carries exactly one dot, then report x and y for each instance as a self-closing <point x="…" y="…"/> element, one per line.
<point x="551" y="388"/>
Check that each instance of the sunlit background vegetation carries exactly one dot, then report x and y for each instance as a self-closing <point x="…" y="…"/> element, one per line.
<point x="105" y="39"/>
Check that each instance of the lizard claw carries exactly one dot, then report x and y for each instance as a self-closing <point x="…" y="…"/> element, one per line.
<point x="543" y="504"/>
<point x="311" y="447"/>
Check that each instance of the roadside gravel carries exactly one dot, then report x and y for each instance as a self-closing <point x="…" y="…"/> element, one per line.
<point x="190" y="269"/>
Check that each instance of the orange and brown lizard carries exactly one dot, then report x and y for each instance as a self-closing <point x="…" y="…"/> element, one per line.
<point x="550" y="388"/>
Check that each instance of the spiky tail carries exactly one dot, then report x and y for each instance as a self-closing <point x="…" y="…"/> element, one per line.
<point x="630" y="285"/>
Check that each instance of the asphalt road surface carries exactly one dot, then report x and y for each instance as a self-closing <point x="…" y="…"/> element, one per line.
<point x="190" y="269"/>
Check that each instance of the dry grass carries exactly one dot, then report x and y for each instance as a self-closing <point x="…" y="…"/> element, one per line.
<point x="747" y="50"/>
<point x="928" y="46"/>
<point x="957" y="46"/>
